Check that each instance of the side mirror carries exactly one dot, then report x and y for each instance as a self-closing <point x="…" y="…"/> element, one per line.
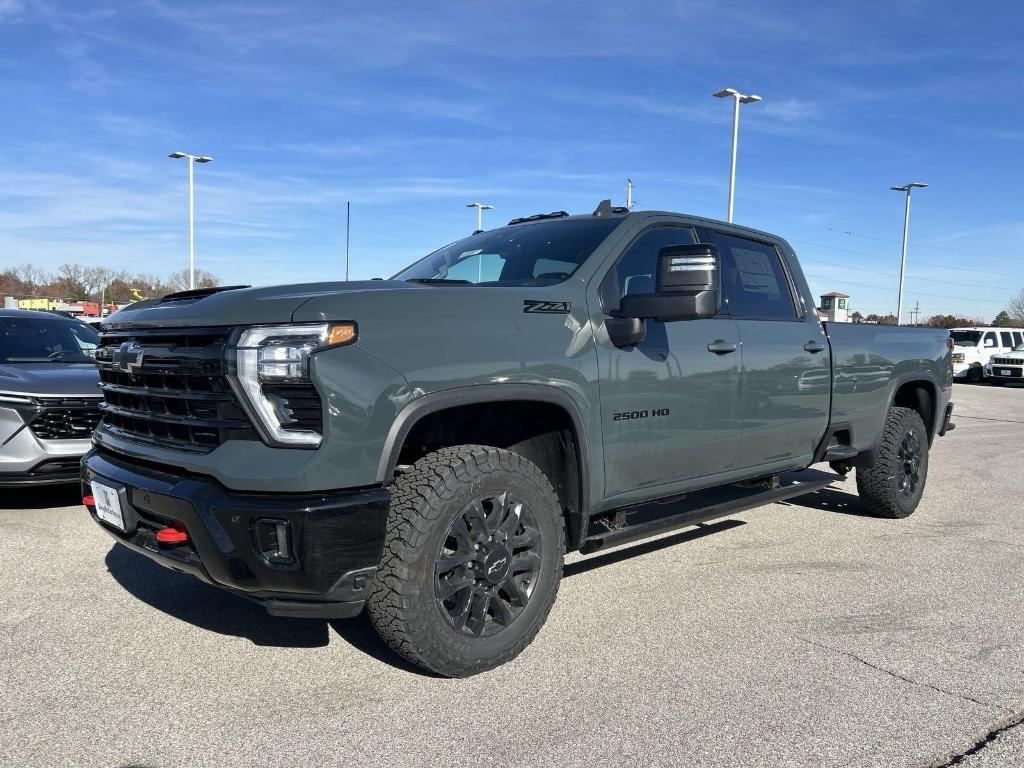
<point x="686" y="286"/>
<point x="989" y="343"/>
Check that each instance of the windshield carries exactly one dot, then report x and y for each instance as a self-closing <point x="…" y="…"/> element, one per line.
<point x="41" y="339"/>
<point x="965" y="338"/>
<point x="1018" y="348"/>
<point x="541" y="253"/>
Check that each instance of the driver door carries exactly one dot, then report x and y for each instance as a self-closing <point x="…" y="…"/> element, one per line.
<point x="669" y="406"/>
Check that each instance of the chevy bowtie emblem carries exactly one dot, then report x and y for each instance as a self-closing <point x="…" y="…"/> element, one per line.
<point x="128" y="357"/>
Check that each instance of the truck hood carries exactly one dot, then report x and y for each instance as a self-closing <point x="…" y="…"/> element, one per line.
<point x="243" y="306"/>
<point x="50" y="379"/>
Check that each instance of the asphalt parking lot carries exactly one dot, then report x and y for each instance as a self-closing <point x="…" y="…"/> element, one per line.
<point x="797" y="634"/>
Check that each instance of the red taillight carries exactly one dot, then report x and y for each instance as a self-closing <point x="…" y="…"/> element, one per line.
<point x="171" y="536"/>
<point x="89" y="501"/>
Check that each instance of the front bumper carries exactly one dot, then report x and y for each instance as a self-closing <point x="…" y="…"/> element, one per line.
<point x="335" y="538"/>
<point x="1004" y="372"/>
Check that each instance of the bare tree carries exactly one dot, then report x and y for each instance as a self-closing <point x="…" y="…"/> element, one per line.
<point x="31" y="276"/>
<point x="1015" y="308"/>
<point x="70" y="281"/>
<point x="178" y="281"/>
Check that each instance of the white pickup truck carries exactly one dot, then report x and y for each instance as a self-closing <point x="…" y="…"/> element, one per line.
<point x="974" y="347"/>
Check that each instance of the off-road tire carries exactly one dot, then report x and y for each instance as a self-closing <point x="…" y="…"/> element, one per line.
<point x="425" y="501"/>
<point x="879" y="486"/>
<point x="975" y="374"/>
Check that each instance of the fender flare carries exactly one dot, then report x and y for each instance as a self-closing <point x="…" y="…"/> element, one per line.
<point x="475" y="394"/>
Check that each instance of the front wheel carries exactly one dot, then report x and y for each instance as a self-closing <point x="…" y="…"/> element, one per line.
<point x="472" y="560"/>
<point x="975" y="374"/>
<point x="894" y="484"/>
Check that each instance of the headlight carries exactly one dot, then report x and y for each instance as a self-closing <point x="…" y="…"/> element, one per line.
<point x="272" y="377"/>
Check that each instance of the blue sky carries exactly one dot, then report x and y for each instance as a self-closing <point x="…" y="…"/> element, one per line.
<point x="412" y="110"/>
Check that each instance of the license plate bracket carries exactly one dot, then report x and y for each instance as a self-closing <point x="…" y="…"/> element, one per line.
<point x="108" y="505"/>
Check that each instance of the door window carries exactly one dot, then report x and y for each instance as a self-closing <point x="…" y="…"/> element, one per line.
<point x="636" y="269"/>
<point x="1007" y="339"/>
<point x="990" y="340"/>
<point x="1016" y="338"/>
<point x="754" y="283"/>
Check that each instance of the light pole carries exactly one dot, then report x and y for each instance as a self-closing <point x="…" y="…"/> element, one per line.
<point x="737" y="99"/>
<point x="191" y="212"/>
<point x="906" y="227"/>
<point x="480" y="208"/>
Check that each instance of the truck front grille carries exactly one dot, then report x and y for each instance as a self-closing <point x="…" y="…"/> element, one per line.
<point x="1007" y="361"/>
<point x="168" y="387"/>
<point x="65" y="418"/>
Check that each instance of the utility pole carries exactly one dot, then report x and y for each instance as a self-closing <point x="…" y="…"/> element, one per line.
<point x="906" y="228"/>
<point x="348" y="230"/>
<point x="192" y="160"/>
<point x="629" y="194"/>
<point x="737" y="99"/>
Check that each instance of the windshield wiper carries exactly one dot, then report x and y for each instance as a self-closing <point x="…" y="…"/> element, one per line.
<point x="438" y="281"/>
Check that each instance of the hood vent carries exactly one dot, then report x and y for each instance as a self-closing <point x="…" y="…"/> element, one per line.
<point x="187" y="297"/>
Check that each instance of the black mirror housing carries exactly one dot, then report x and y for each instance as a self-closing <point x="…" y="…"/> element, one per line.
<point x="687" y="286"/>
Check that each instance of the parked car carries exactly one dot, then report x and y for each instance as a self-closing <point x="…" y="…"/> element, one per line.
<point x="1007" y="367"/>
<point x="974" y="347"/>
<point x="49" y="396"/>
<point x="431" y="445"/>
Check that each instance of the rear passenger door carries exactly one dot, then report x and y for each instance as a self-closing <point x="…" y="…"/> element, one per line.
<point x="785" y="381"/>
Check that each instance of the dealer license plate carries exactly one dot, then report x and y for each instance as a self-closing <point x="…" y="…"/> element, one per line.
<point x="108" y="505"/>
<point x="1005" y="372"/>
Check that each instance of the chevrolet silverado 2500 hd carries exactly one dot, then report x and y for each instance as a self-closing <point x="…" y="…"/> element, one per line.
<point x="431" y="445"/>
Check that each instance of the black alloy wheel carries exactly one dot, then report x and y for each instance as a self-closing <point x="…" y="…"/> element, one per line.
<point x="488" y="565"/>
<point x="909" y="463"/>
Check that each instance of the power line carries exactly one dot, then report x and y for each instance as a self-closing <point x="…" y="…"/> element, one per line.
<point x="915" y="293"/>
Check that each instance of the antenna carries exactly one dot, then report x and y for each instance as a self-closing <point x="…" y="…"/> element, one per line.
<point x="348" y="229"/>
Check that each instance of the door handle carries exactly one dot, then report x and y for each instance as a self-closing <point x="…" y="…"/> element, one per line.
<point x="814" y="346"/>
<point x="721" y="347"/>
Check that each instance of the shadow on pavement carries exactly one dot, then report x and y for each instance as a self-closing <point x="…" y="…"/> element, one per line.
<point x="41" y="496"/>
<point x="699" y="532"/>
<point x="831" y="500"/>
<point x="185" y="597"/>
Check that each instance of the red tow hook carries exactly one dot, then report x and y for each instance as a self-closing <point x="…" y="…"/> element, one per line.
<point x="171" y="536"/>
<point x="89" y="501"/>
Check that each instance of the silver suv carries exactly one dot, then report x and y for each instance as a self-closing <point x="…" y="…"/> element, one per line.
<point x="49" y="397"/>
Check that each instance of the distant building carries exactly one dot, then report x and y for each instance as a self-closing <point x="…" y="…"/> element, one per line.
<point x="835" y="307"/>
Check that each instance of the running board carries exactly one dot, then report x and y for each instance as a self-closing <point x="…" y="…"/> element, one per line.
<point x="642" y="521"/>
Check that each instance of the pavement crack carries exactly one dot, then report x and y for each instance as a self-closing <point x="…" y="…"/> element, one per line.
<point x="976" y="745"/>
<point x="898" y="676"/>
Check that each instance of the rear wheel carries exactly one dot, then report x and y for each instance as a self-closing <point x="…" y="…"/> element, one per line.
<point x="894" y="484"/>
<point x="472" y="560"/>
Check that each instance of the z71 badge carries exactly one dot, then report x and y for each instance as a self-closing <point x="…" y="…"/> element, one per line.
<point x="547" y="307"/>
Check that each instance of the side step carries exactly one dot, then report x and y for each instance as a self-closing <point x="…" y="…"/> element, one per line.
<point x="622" y="526"/>
<point x="839" y="453"/>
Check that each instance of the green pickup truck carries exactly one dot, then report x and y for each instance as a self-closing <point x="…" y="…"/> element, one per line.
<point x="430" y="446"/>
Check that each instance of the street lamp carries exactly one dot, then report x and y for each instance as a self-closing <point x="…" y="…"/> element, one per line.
<point x="191" y="212"/>
<point x="480" y="208"/>
<point x="737" y="99"/>
<point x="903" y="257"/>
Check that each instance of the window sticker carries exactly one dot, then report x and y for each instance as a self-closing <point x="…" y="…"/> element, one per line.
<point x="755" y="271"/>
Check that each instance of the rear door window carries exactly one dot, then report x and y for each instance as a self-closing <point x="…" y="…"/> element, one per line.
<point x="1007" y="338"/>
<point x="754" y="282"/>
